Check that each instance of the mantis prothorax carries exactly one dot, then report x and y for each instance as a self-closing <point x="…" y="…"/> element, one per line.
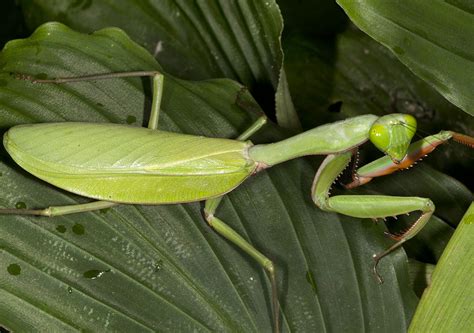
<point x="118" y="164"/>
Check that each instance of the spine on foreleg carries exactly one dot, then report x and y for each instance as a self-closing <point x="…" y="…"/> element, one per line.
<point x="328" y="172"/>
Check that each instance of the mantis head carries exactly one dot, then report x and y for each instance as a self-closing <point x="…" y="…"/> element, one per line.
<point x="392" y="135"/>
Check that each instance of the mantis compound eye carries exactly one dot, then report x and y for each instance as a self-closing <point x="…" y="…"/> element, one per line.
<point x="392" y="135"/>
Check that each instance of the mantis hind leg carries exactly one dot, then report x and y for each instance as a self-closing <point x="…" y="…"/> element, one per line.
<point x="367" y="206"/>
<point x="157" y="86"/>
<point x="60" y="210"/>
<point x="158" y="79"/>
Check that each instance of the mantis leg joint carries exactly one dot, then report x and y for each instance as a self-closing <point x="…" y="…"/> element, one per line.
<point x="209" y="217"/>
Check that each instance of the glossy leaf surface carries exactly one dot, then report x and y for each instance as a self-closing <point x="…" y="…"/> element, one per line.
<point x="433" y="39"/>
<point x="446" y="306"/>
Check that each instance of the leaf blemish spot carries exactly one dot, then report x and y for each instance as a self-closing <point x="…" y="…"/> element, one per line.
<point x="41" y="76"/>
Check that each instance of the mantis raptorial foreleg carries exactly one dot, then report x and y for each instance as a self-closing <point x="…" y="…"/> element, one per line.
<point x="152" y="124"/>
<point x="367" y="206"/>
<point x="379" y="206"/>
<point x="416" y="151"/>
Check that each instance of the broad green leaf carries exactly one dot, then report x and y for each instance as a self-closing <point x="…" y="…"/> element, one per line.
<point x="161" y="268"/>
<point x="284" y="104"/>
<point x="193" y="39"/>
<point x="433" y="38"/>
<point x="447" y="305"/>
<point x="420" y="274"/>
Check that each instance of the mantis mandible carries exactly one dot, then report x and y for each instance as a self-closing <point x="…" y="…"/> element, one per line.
<point x="153" y="167"/>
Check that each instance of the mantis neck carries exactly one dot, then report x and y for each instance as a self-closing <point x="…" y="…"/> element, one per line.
<point x="328" y="139"/>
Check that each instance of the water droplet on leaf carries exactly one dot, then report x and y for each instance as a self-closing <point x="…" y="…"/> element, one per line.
<point x="131" y="120"/>
<point x="14" y="269"/>
<point x="78" y="229"/>
<point x="61" y="228"/>
<point x="94" y="273"/>
<point x="20" y="205"/>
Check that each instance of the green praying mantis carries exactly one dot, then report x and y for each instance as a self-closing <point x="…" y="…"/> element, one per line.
<point x="118" y="164"/>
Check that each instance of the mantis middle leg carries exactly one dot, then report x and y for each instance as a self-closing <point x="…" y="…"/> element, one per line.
<point x="227" y="232"/>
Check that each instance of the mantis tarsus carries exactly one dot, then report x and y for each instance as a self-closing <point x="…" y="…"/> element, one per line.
<point x="151" y="166"/>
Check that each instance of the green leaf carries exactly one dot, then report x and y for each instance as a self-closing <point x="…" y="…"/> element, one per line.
<point x="434" y="39"/>
<point x="159" y="268"/>
<point x="193" y="39"/>
<point x="447" y="306"/>
<point x="420" y="274"/>
<point x="285" y="110"/>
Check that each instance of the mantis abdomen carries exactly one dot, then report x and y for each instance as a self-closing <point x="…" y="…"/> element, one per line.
<point x="129" y="164"/>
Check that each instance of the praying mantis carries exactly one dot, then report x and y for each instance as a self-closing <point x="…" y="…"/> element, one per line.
<point x="117" y="164"/>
